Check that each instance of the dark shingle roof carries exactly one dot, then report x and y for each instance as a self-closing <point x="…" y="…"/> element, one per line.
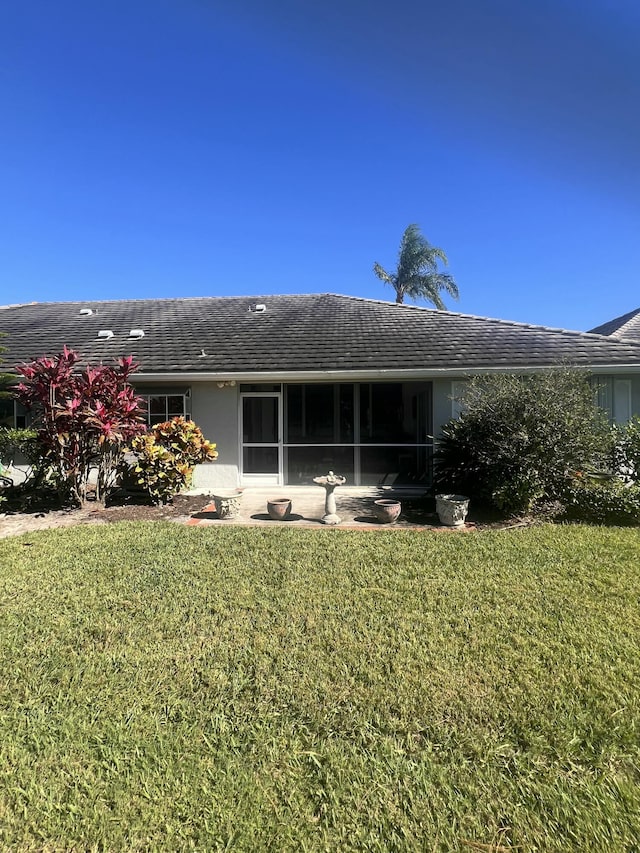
<point x="301" y="333"/>
<point x="627" y="327"/>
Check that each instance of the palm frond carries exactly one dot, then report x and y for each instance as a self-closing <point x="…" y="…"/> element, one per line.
<point x="440" y="254"/>
<point x="429" y="286"/>
<point x="417" y="275"/>
<point x="383" y="274"/>
<point x="448" y="284"/>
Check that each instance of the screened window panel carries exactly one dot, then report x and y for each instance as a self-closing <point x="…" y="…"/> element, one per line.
<point x="260" y="460"/>
<point x="622" y="401"/>
<point x="395" y="413"/>
<point x="260" y="419"/>
<point x="395" y="466"/>
<point x="319" y="414"/>
<point x="305" y="463"/>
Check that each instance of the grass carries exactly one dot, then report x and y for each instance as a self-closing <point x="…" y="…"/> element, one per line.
<point x="171" y="688"/>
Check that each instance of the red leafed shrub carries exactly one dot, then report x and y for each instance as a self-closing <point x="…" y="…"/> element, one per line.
<point x="84" y="419"/>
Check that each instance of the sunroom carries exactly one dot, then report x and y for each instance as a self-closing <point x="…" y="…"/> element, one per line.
<point x="374" y="433"/>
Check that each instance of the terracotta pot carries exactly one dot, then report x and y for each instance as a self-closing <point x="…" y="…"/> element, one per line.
<point x="279" y="508"/>
<point x="452" y="509"/>
<point x="387" y="510"/>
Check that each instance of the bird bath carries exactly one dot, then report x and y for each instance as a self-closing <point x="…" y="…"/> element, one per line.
<point x="329" y="482"/>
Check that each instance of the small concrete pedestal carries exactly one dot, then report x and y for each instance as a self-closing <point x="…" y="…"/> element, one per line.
<point x="329" y="482"/>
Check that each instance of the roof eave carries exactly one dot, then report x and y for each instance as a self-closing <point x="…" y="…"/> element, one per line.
<point x="364" y="375"/>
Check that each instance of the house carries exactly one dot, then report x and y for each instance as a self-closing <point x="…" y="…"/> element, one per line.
<point x="290" y="387"/>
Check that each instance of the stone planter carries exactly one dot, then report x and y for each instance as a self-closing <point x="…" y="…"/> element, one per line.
<point x="228" y="504"/>
<point x="452" y="509"/>
<point x="279" y="508"/>
<point x="387" y="510"/>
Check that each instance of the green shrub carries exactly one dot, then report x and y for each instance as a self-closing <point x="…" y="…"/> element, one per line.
<point x="21" y="442"/>
<point x="18" y="441"/>
<point x="185" y="440"/>
<point x="602" y="502"/>
<point x="166" y="456"/>
<point x="520" y="439"/>
<point x="157" y="469"/>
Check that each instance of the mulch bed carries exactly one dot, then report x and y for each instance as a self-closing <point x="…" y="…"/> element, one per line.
<point x="46" y="514"/>
<point x="133" y="510"/>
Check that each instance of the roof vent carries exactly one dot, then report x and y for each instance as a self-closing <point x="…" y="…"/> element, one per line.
<point x="136" y="333"/>
<point x="105" y="334"/>
<point x="86" y="311"/>
<point x="258" y="308"/>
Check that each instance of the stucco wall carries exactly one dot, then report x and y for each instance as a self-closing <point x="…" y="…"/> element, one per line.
<point x="215" y="410"/>
<point x="442" y="404"/>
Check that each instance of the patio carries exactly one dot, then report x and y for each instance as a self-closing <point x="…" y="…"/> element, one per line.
<point x="354" y="506"/>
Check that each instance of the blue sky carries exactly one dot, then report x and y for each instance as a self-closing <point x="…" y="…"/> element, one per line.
<point x="217" y="147"/>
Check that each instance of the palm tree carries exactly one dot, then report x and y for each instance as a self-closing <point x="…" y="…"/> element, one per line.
<point x="417" y="275"/>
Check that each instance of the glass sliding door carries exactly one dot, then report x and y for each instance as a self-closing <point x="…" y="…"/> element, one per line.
<point x="261" y="426"/>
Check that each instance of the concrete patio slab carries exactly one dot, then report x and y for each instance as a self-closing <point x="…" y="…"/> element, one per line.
<point x="354" y="506"/>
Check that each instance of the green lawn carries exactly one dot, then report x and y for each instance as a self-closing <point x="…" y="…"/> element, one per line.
<point x="174" y="688"/>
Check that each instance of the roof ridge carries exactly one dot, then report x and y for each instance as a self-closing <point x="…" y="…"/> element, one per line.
<point x="499" y="320"/>
<point x="614" y="326"/>
<point x="159" y="299"/>
<point x="153" y="299"/>
<point x="390" y="306"/>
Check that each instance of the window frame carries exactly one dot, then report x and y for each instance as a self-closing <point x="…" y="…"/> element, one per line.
<point x="147" y="393"/>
